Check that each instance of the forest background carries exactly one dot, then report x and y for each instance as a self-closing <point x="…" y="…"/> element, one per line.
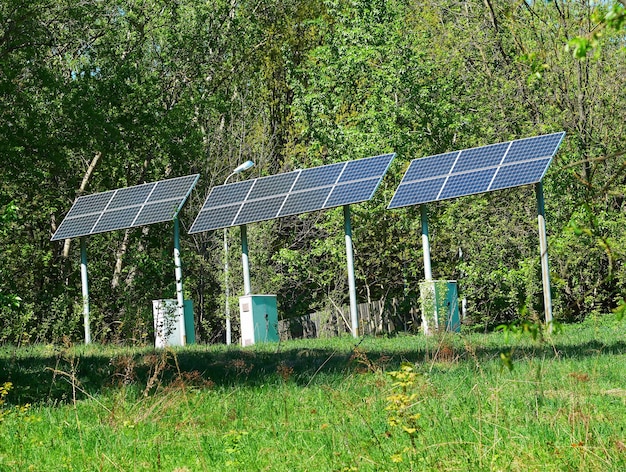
<point x="101" y="94"/>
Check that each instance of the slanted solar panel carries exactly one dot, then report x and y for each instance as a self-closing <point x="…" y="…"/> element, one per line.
<point x="291" y="193"/>
<point x="127" y="207"/>
<point x="476" y="170"/>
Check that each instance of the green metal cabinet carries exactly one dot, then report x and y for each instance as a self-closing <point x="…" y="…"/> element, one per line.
<point x="440" y="306"/>
<point x="190" y="330"/>
<point x="259" y="319"/>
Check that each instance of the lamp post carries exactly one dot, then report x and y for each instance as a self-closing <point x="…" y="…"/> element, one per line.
<point x="245" y="166"/>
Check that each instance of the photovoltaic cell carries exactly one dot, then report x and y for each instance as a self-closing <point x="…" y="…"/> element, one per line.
<point x="488" y="156"/>
<point x="318" y="176"/>
<point x="126" y="207"/>
<point x="364" y="169"/>
<point x="457" y="184"/>
<point x="358" y="191"/>
<point x="156" y="212"/>
<point x="511" y="176"/>
<point x="291" y="193"/>
<point x="90" y="204"/>
<point x="432" y="167"/>
<point x="227" y="194"/>
<point x="130" y="196"/>
<point x="300" y="202"/>
<point x="426" y="192"/>
<point x="73" y="226"/>
<point x="259" y="210"/>
<point x="116" y="219"/>
<point x="476" y="170"/>
<point x="220" y="217"/>
<point x="524" y="149"/>
<point x="273" y="185"/>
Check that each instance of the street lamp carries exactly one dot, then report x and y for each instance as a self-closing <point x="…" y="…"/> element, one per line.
<point x="245" y="166"/>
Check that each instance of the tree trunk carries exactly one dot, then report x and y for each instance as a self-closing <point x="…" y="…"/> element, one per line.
<point x="81" y="190"/>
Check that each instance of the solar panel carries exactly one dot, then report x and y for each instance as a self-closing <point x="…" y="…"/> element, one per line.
<point x="127" y="207"/>
<point x="291" y="193"/>
<point x="476" y="170"/>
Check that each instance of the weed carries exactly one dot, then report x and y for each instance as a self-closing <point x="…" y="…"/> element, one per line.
<point x="157" y="364"/>
<point x="5" y="388"/>
<point x="284" y="370"/>
<point x="365" y="364"/>
<point x="233" y="447"/>
<point x="124" y="369"/>
<point x="401" y="406"/>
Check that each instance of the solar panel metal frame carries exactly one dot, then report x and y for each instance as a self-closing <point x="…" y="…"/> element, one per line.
<point x="476" y="170"/>
<point x="291" y="193"/>
<point x="126" y="207"/>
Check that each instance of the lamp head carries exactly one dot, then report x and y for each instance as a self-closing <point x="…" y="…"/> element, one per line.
<point x="245" y="166"/>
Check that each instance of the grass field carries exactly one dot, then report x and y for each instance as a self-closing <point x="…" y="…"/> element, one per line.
<point x="397" y="404"/>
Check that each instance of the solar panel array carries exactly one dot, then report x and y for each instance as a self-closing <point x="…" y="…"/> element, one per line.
<point x="291" y="193"/>
<point x="476" y="170"/>
<point x="126" y="207"/>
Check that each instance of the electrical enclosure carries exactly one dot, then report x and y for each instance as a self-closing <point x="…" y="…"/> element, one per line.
<point x="259" y="319"/>
<point x="440" y="306"/>
<point x="169" y="328"/>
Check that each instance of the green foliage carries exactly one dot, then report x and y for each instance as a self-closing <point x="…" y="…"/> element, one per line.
<point x="9" y="302"/>
<point x="605" y="17"/>
<point x="97" y="95"/>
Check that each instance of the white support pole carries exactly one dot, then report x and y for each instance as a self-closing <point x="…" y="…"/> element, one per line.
<point x="428" y="273"/>
<point x="85" y="285"/>
<point x="229" y="336"/>
<point x="178" y="272"/>
<point x="245" y="166"/>
<point x="247" y="289"/>
<point x="354" y="315"/>
<point x="543" y="247"/>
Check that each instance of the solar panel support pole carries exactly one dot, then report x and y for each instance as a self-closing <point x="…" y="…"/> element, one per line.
<point x="178" y="272"/>
<point x="428" y="273"/>
<point x="543" y="246"/>
<point x="354" y="316"/>
<point x="229" y="336"/>
<point x="85" y="286"/>
<point x="247" y="289"/>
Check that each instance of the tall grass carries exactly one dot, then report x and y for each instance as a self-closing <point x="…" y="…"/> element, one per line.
<point x="323" y="405"/>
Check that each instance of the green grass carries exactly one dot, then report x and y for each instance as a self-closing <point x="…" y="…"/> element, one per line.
<point x="322" y="405"/>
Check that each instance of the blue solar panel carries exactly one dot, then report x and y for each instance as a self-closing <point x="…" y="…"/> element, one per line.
<point x="130" y="196"/>
<point x="273" y="185"/>
<point x="515" y="175"/>
<point x="71" y="227"/>
<point x="90" y="204"/>
<point x="126" y="207"/>
<point x="524" y="149"/>
<point x="318" y="176"/>
<point x="487" y="156"/>
<point x="300" y="202"/>
<point x="476" y="170"/>
<point x="116" y="219"/>
<point x="228" y="194"/>
<point x="467" y="183"/>
<point x="429" y="167"/>
<point x="365" y="169"/>
<point x="352" y="192"/>
<point x="220" y="217"/>
<point x="259" y="210"/>
<point x="427" y="191"/>
<point x="291" y="193"/>
<point x="157" y="212"/>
